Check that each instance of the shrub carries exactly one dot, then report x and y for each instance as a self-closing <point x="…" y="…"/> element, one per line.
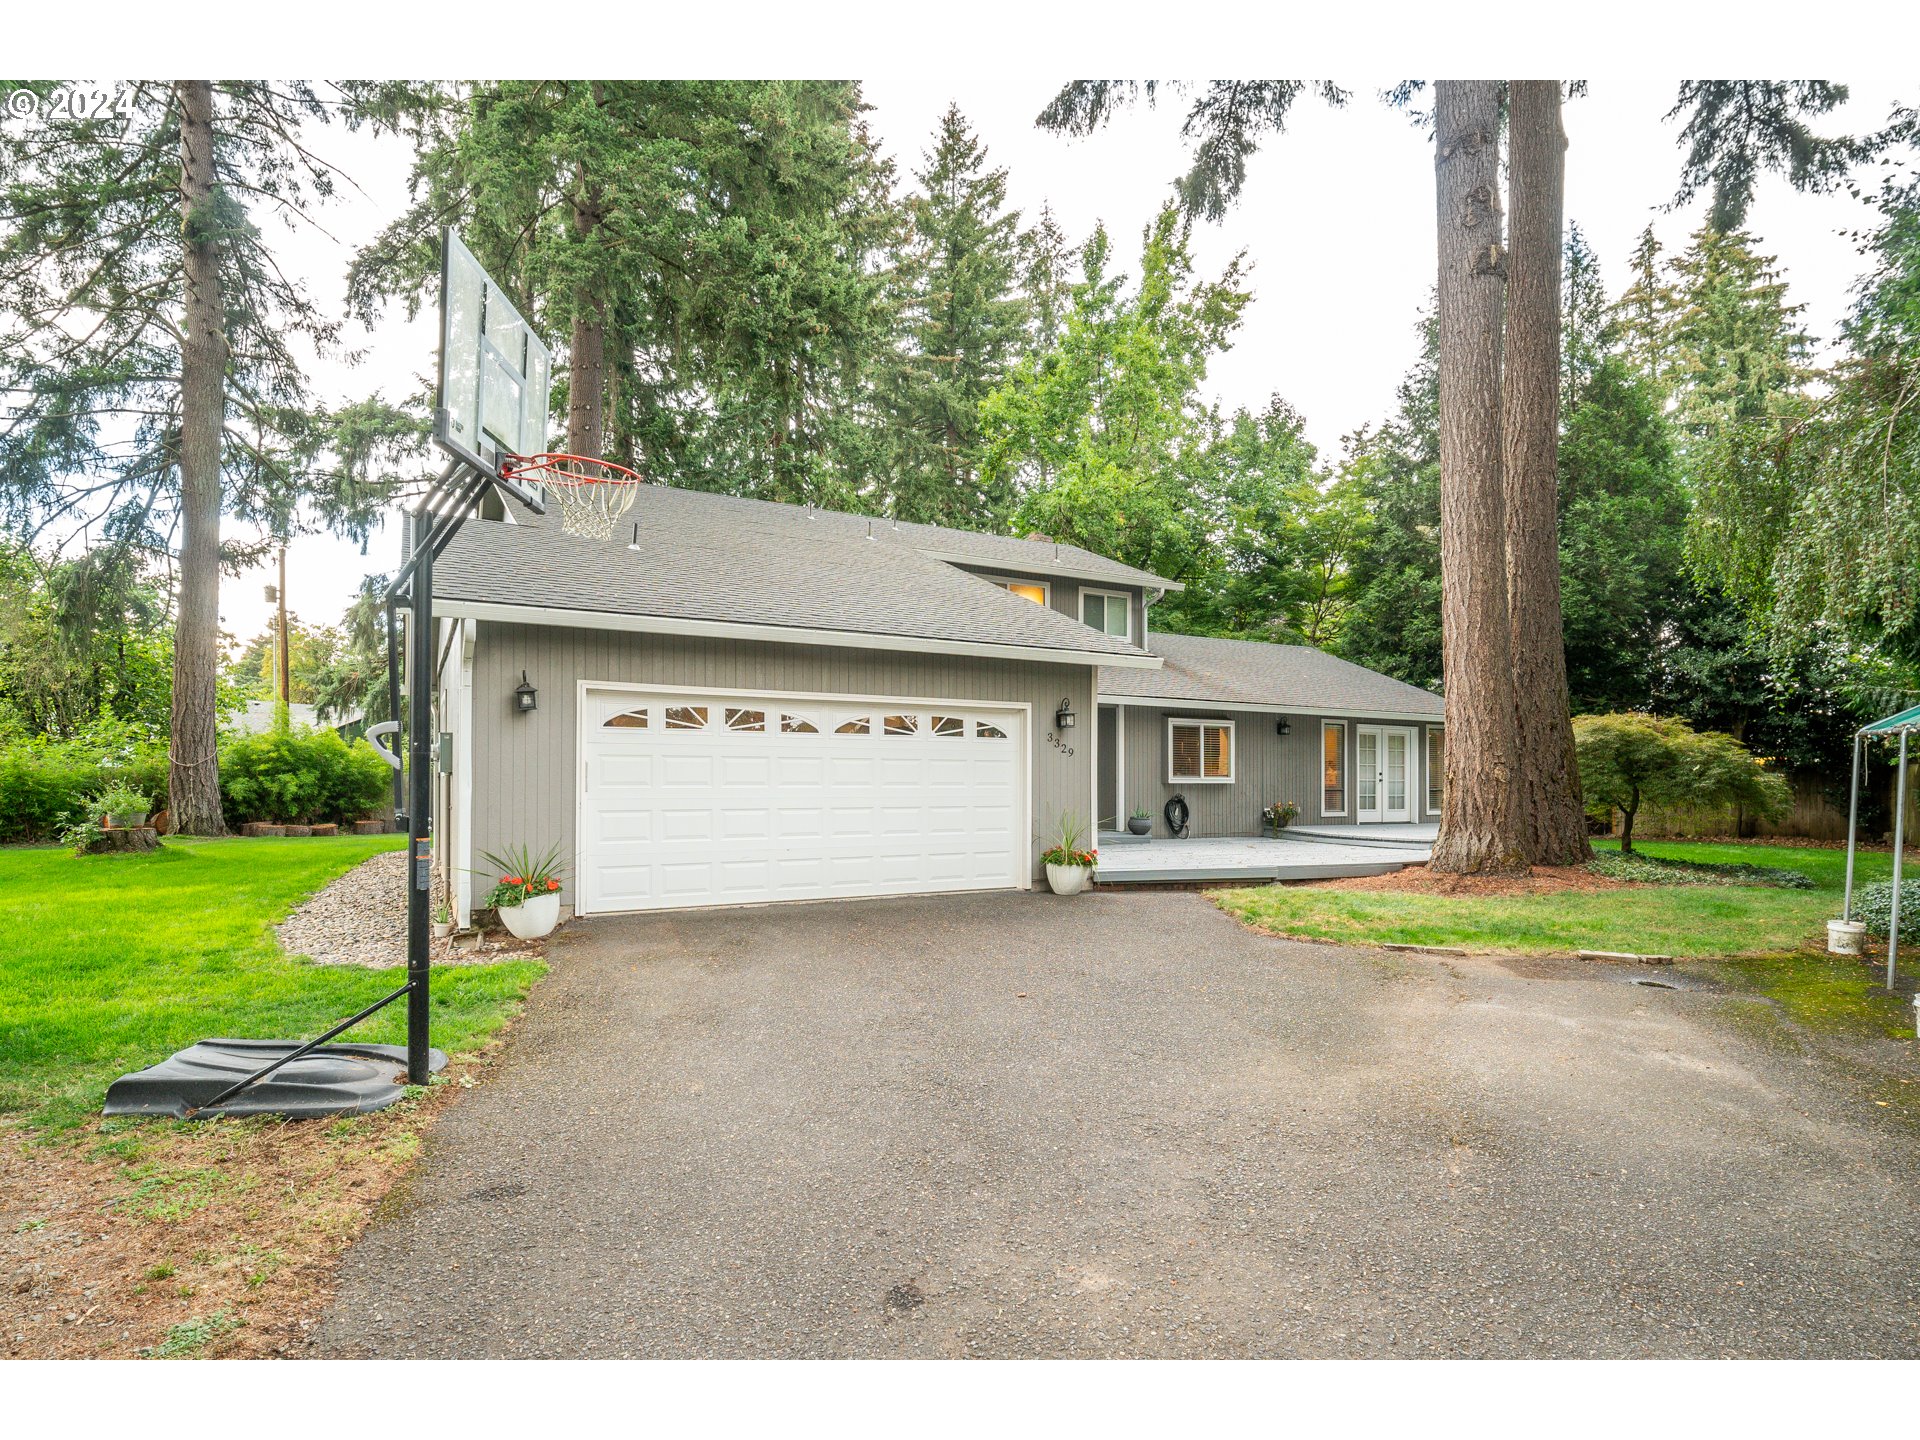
<point x="299" y="777"/>
<point x="42" y="779"/>
<point x="1630" y="759"/>
<point x="1873" y="905"/>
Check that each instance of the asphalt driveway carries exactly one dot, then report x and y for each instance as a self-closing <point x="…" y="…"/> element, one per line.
<point x="1013" y="1125"/>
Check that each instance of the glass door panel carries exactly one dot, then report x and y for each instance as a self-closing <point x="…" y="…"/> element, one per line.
<point x="1366" y="772"/>
<point x="1397" y="743"/>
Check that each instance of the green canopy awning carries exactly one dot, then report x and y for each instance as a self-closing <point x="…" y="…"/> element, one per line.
<point x="1894" y="724"/>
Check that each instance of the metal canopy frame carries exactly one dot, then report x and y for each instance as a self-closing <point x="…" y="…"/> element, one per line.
<point x="1903" y="725"/>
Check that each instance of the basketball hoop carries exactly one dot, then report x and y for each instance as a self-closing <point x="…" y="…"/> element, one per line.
<point x="591" y="494"/>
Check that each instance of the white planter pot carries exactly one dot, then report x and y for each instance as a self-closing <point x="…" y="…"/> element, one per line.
<point x="1069" y="879"/>
<point x="1846" y="937"/>
<point x="532" y="919"/>
<point x="442" y="929"/>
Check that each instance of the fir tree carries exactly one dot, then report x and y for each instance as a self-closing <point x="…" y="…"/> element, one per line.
<point x="150" y="343"/>
<point x="964" y="319"/>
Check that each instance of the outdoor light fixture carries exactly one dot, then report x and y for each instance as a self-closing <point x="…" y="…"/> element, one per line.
<point x="524" y="695"/>
<point x="1281" y="727"/>
<point x="1064" y="718"/>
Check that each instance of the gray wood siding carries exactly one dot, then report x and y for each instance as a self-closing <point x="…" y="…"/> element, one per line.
<point x="1267" y="768"/>
<point x="525" y="766"/>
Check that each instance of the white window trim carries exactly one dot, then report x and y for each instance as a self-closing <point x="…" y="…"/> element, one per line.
<point x="1003" y="581"/>
<point x="1122" y="596"/>
<point x="1346" y="769"/>
<point x="1233" y="751"/>
<point x="1426" y="764"/>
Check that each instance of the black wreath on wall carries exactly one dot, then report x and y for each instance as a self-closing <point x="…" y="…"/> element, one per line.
<point x="1177" y="815"/>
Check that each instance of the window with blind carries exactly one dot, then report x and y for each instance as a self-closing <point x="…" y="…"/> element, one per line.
<point x="1333" y="768"/>
<point x="1436" y="768"/>
<point x="1199" y="751"/>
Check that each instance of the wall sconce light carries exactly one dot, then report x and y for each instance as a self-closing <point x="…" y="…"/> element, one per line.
<point x="1064" y="718"/>
<point x="524" y="695"/>
<point x="1281" y="727"/>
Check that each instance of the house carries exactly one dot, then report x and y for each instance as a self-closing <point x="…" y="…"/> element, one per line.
<point x="733" y="701"/>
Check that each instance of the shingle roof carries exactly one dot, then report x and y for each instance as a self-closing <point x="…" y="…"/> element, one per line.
<point x="1004" y="551"/>
<point x="1251" y="672"/>
<point x="713" y="558"/>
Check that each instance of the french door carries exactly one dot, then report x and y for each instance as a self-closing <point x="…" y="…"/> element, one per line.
<point x="1383" y="767"/>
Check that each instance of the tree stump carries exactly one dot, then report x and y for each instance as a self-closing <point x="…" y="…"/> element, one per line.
<point x="326" y="829"/>
<point x="369" y="827"/>
<point x="302" y="831"/>
<point x="124" y="842"/>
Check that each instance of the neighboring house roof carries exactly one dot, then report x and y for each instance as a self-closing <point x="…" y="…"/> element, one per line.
<point x="688" y="561"/>
<point x="1296" y="678"/>
<point x="257" y="718"/>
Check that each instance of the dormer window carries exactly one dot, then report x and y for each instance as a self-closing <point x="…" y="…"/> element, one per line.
<point x="1108" y="611"/>
<point x="1034" y="590"/>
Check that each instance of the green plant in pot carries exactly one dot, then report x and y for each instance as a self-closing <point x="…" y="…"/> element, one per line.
<point x="1139" y="823"/>
<point x="1279" y="815"/>
<point x="527" y="896"/>
<point x="1069" y="868"/>
<point x="123" y="807"/>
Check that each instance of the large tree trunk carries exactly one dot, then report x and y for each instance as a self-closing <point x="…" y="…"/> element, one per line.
<point x="1480" y="829"/>
<point x="1552" y="817"/>
<point x="587" y="348"/>
<point x="587" y="380"/>
<point x="193" y="770"/>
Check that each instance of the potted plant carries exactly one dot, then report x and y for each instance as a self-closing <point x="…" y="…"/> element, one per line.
<point x="123" y="807"/>
<point x="1069" y="868"/>
<point x="443" y="921"/>
<point x="1139" y="823"/>
<point x="1280" y="814"/>
<point x="527" y="899"/>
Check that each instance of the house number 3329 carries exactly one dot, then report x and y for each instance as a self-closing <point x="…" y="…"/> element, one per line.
<point x="1053" y="739"/>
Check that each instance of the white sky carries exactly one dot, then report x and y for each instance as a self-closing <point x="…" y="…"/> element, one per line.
<point x="1337" y="222"/>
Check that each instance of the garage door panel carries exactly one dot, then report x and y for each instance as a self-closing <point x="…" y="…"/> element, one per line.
<point x="681" y="771"/>
<point x="679" y="825"/>
<point x="727" y="814"/>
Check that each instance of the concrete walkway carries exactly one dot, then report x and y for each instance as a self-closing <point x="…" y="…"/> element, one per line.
<point x="1121" y="1124"/>
<point x="1297" y="853"/>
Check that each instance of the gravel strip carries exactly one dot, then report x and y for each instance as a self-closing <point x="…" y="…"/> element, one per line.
<point x="361" y="919"/>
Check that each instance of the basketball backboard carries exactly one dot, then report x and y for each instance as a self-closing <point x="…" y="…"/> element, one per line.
<point x="494" y="370"/>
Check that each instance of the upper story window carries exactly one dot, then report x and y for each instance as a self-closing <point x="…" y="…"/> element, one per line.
<point x="1199" y="751"/>
<point x="1034" y="590"/>
<point x="1108" y="611"/>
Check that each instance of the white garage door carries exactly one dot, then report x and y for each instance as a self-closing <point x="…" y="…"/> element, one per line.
<point x="715" y="799"/>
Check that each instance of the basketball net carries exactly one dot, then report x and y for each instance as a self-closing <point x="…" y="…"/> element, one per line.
<point x="591" y="494"/>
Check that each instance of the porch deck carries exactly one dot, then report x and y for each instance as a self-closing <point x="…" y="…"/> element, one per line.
<point x="1299" y="853"/>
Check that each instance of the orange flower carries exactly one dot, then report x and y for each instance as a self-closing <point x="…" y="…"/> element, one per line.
<point x="553" y="884"/>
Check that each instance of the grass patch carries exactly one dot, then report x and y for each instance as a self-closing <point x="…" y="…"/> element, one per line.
<point x="190" y="1337"/>
<point x="109" y="963"/>
<point x="1695" y="921"/>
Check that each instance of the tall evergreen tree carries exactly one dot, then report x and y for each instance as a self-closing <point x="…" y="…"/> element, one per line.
<point x="708" y="249"/>
<point x="1047" y="268"/>
<point x="964" y="319"/>
<point x="150" y="343"/>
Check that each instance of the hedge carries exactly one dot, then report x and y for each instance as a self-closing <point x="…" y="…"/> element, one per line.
<point x="296" y="776"/>
<point x="42" y="779"/>
<point x="300" y="777"/>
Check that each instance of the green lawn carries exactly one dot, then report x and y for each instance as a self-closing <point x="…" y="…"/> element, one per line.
<point x="111" y="962"/>
<point x="1690" y="920"/>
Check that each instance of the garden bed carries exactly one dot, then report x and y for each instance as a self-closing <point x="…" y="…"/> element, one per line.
<point x="361" y="919"/>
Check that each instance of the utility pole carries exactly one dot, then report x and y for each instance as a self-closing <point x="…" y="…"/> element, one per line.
<point x="286" y="688"/>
